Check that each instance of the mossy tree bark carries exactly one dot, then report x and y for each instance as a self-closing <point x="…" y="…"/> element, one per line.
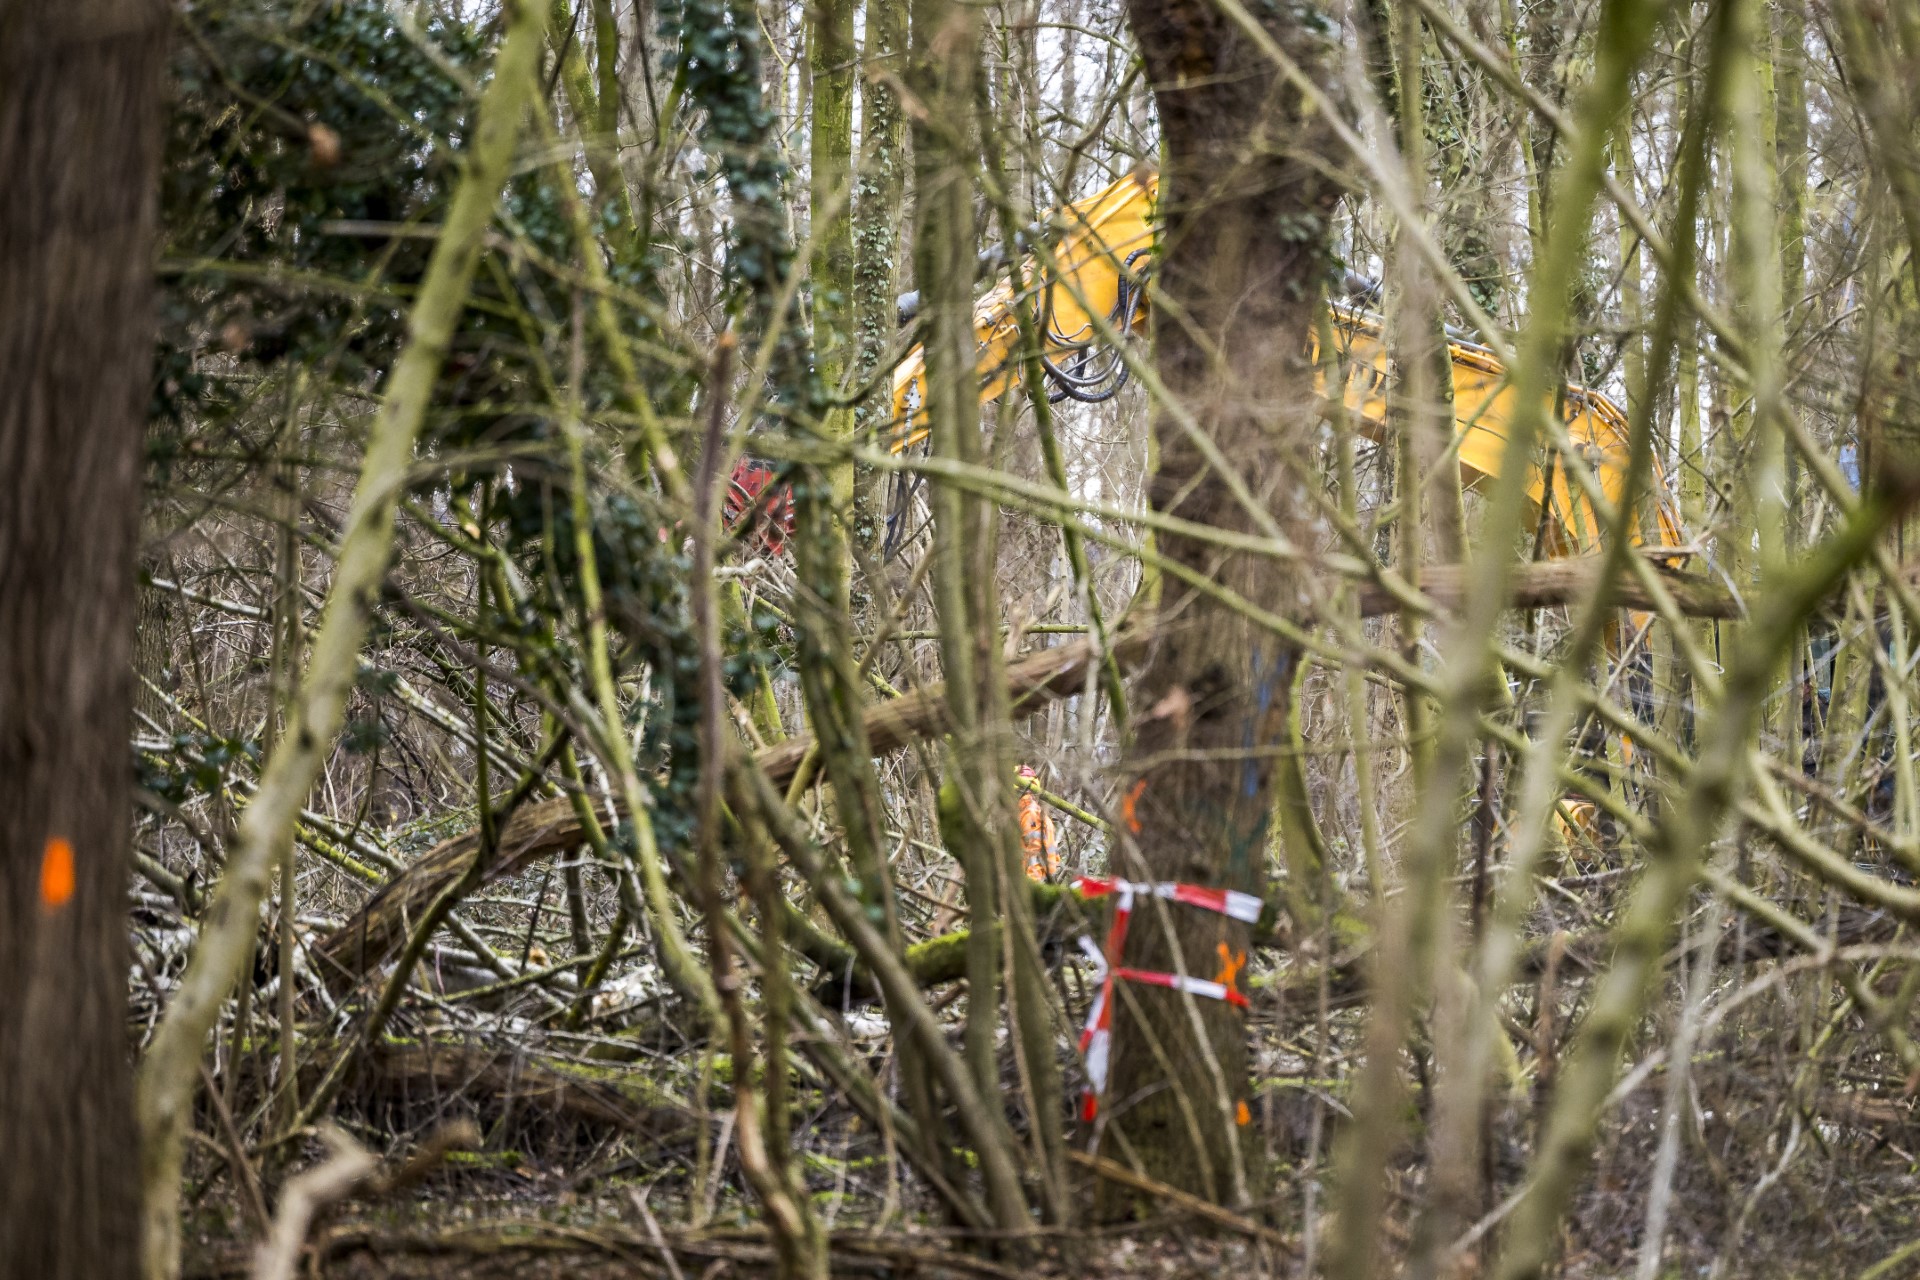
<point x="978" y="798"/>
<point x="830" y="55"/>
<point x="722" y="61"/>
<point x="80" y="104"/>
<point x="1245" y="201"/>
<point x="593" y="96"/>
<point x="879" y="207"/>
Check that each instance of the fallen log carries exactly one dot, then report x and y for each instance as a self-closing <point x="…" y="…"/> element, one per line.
<point x="428" y="1073"/>
<point x="376" y="932"/>
<point x="1060" y="915"/>
<point x="373" y="937"/>
<point x="1543" y="584"/>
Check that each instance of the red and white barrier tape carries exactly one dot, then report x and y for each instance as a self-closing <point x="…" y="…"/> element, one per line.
<point x="1096" y="1038"/>
<point x="1243" y="907"/>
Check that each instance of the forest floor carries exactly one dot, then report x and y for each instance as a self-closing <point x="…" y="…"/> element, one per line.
<point x="590" y="1191"/>
<point x="451" y="1230"/>
<point x="537" y="1246"/>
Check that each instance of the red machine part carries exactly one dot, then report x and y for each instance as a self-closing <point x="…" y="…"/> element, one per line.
<point x="753" y="496"/>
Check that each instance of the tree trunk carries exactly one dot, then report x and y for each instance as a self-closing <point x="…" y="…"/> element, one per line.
<point x="946" y="55"/>
<point x="879" y="207"/>
<point x="1245" y="201"/>
<point x="830" y="55"/>
<point x="79" y="147"/>
<point x="977" y="814"/>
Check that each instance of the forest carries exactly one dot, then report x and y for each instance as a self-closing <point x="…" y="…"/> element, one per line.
<point x="610" y="609"/>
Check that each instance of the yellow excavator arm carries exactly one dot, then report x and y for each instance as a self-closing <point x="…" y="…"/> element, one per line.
<point x="1095" y="272"/>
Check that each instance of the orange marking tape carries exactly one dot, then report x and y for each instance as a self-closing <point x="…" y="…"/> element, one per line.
<point x="1242" y="1116"/>
<point x="1231" y="963"/>
<point x="1127" y="805"/>
<point x="56" y="874"/>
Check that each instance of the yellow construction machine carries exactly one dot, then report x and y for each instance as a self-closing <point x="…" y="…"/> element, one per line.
<point x="1091" y="287"/>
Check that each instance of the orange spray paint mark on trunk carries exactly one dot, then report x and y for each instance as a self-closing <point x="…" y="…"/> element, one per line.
<point x="56" y="874"/>
<point x="1129" y="806"/>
